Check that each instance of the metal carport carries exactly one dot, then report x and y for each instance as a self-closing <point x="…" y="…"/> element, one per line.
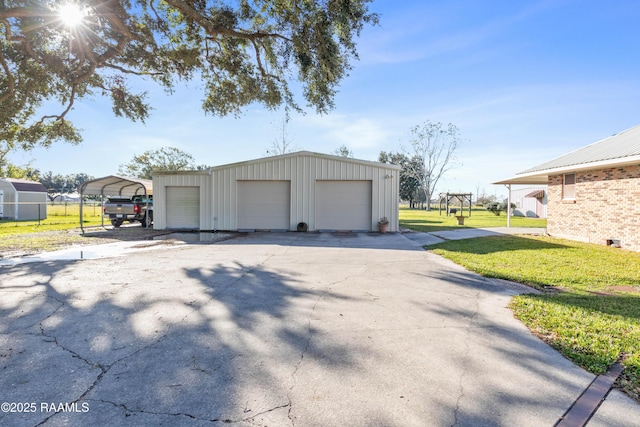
<point x="114" y="185"/>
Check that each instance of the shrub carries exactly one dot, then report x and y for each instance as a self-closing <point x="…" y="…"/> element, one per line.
<point x="494" y="207"/>
<point x="497" y="207"/>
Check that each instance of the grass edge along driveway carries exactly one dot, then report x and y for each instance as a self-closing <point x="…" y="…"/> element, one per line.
<point x="590" y="306"/>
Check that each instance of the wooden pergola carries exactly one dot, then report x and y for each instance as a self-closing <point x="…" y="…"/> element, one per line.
<point x="446" y="199"/>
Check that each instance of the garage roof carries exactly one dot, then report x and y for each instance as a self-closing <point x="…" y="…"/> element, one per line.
<point x="114" y="185"/>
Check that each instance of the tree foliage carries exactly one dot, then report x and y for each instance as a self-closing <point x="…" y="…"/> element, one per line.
<point x="343" y="151"/>
<point x="434" y="146"/>
<point x="162" y="159"/>
<point x="240" y="52"/>
<point x="409" y="183"/>
<point x="57" y="183"/>
<point x="10" y="170"/>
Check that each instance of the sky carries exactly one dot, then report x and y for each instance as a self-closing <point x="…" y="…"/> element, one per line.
<point x="524" y="82"/>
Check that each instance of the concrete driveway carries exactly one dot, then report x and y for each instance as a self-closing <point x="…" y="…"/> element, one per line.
<point x="276" y="329"/>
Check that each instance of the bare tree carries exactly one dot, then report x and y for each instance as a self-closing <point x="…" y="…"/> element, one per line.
<point x="282" y="144"/>
<point x="434" y="147"/>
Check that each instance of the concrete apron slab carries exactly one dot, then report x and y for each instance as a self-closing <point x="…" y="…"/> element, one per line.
<point x="275" y="329"/>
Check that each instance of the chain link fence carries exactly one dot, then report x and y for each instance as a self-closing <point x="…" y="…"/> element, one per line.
<point x="49" y="212"/>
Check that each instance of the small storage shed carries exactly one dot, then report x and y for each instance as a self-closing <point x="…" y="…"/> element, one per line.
<point x="530" y="201"/>
<point x="296" y="191"/>
<point x="22" y="200"/>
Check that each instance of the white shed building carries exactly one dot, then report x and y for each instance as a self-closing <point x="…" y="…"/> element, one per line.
<point x="290" y="192"/>
<point x="530" y="201"/>
<point x="22" y="199"/>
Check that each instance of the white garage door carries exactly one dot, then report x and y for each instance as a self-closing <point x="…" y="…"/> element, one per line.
<point x="183" y="207"/>
<point x="264" y="205"/>
<point x="343" y="205"/>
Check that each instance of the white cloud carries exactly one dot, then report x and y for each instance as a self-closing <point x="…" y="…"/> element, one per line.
<point x="354" y="132"/>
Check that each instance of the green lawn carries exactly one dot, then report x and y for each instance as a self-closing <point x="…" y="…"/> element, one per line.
<point x="590" y="306"/>
<point x="422" y="220"/>
<point x="34" y="236"/>
<point x="59" y="217"/>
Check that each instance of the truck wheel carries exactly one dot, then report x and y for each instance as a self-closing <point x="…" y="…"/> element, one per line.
<point x="144" y="220"/>
<point x="116" y="222"/>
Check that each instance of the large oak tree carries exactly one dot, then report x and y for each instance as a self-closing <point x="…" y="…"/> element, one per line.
<point x="239" y="51"/>
<point x="161" y="159"/>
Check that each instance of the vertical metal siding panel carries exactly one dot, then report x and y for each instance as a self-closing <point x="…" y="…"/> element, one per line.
<point x="293" y="191"/>
<point x="223" y="204"/>
<point x="205" y="203"/>
<point x="215" y="200"/>
<point x="213" y="197"/>
<point x="218" y="194"/>
<point x="223" y="210"/>
<point x="231" y="212"/>
<point x="304" y="174"/>
<point x="223" y="188"/>
<point x="310" y="202"/>
<point x="160" y="203"/>
<point x="296" y="192"/>
<point x="375" y="202"/>
<point x="168" y="181"/>
<point x="208" y="179"/>
<point x="301" y="165"/>
<point x="382" y="191"/>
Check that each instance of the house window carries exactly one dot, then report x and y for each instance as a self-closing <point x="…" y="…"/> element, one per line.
<point x="569" y="186"/>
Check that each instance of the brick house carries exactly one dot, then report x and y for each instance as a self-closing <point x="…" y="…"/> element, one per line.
<point x="593" y="192"/>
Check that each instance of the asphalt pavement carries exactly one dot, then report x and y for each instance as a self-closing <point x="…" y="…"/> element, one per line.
<point x="276" y="329"/>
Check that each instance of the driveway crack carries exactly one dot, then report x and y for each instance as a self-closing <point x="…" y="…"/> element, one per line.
<point x="104" y="369"/>
<point x="302" y="356"/>
<point x="467" y="353"/>
<point x="250" y="419"/>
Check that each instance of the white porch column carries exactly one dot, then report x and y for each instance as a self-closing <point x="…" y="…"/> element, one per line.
<point x="509" y="206"/>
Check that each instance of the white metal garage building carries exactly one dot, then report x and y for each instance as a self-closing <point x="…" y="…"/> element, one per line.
<point x="326" y="193"/>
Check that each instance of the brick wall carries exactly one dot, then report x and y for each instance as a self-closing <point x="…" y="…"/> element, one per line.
<point x="606" y="206"/>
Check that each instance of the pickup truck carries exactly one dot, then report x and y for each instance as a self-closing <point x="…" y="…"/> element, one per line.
<point x="120" y="209"/>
